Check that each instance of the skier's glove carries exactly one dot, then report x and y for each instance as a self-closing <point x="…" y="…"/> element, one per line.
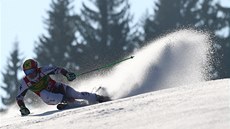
<point x="24" y="111"/>
<point x="70" y="76"/>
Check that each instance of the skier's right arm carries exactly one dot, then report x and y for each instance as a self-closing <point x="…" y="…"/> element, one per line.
<point x="58" y="70"/>
<point x="20" y="96"/>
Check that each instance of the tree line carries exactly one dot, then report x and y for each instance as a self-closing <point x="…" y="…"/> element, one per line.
<point x="105" y="31"/>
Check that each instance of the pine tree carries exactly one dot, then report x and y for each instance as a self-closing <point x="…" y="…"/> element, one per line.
<point x="10" y="77"/>
<point x="55" y="47"/>
<point x="169" y="15"/>
<point x="106" y="32"/>
<point x="225" y="39"/>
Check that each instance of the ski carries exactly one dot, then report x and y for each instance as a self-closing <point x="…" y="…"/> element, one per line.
<point x="76" y="104"/>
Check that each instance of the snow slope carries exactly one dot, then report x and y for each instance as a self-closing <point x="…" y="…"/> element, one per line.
<point x="203" y="105"/>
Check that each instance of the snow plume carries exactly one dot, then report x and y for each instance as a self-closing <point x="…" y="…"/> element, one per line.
<point x="179" y="58"/>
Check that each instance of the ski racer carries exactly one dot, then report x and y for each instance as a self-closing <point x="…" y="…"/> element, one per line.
<point x="38" y="80"/>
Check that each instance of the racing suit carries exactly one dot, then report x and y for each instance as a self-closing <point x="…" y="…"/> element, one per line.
<point x="50" y="91"/>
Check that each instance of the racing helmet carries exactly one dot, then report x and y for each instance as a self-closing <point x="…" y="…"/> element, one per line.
<point x="30" y="66"/>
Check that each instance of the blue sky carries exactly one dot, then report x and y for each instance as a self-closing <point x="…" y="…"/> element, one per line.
<point x="22" y="20"/>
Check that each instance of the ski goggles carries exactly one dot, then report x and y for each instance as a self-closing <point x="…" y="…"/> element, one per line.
<point x="29" y="71"/>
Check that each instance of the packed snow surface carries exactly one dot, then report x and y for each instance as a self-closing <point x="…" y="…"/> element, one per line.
<point x="199" y="106"/>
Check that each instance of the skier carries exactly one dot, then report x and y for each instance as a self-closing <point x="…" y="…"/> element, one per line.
<point x="37" y="80"/>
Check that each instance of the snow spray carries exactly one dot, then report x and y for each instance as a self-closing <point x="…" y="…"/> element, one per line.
<point x="175" y="59"/>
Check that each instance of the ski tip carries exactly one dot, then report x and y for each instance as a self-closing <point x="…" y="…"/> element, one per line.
<point x="61" y="106"/>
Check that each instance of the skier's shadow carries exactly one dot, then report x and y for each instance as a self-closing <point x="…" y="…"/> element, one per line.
<point x="47" y="113"/>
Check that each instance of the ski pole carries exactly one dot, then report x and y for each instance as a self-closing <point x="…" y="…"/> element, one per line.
<point x="105" y="66"/>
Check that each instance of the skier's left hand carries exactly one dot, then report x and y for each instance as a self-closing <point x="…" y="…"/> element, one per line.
<point x="70" y="76"/>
